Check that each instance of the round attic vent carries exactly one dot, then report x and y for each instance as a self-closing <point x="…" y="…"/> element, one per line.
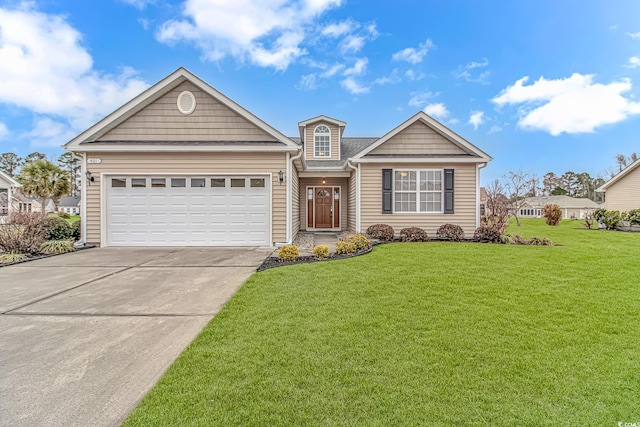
<point x="186" y="102"/>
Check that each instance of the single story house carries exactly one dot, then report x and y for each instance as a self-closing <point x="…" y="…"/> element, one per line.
<point x="24" y="203"/>
<point x="182" y="164"/>
<point x="69" y="204"/>
<point x="622" y="192"/>
<point x="572" y="207"/>
<point x="8" y="187"/>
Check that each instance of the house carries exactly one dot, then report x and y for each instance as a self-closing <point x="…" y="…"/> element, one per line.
<point x="24" y="203"/>
<point x="571" y="207"/>
<point x="8" y="187"/>
<point x="622" y="192"/>
<point x="181" y="164"/>
<point x="70" y="205"/>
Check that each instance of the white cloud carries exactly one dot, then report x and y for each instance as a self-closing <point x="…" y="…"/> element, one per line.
<point x="267" y="33"/>
<point x="573" y="105"/>
<point x="634" y="62"/>
<point x="308" y="82"/>
<point x="419" y="99"/>
<point x="313" y="80"/>
<point x="476" y="118"/>
<point x="359" y="68"/>
<point x="437" y="110"/>
<point x="466" y="72"/>
<point x="392" y="78"/>
<point x="140" y="4"/>
<point x="339" y="29"/>
<point x="352" y="44"/>
<point x="454" y="121"/>
<point x="613" y="27"/>
<point x="354" y="87"/>
<point x="495" y="129"/>
<point x="45" y="68"/>
<point x="412" y="75"/>
<point x="413" y="55"/>
<point x="49" y="133"/>
<point x="4" y="131"/>
<point x="634" y="35"/>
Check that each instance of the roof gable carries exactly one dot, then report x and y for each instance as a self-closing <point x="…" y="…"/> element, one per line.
<point x="105" y="127"/>
<point x="624" y="172"/>
<point x="10" y="182"/>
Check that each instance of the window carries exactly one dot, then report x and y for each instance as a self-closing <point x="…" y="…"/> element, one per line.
<point x="178" y="182"/>
<point x="118" y="182"/>
<point x="217" y="182"/>
<point x="321" y="141"/>
<point x="197" y="182"/>
<point x="417" y="190"/>
<point x="237" y="182"/>
<point x="138" y="182"/>
<point x="158" y="182"/>
<point x="257" y="182"/>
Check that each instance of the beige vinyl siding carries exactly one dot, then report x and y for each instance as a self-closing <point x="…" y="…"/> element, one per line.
<point x="210" y="121"/>
<point x="418" y="138"/>
<point x="351" y="203"/>
<point x="187" y="163"/>
<point x="464" y="200"/>
<point x="335" y="135"/>
<point x="624" y="194"/>
<point x="295" y="201"/>
<point x="330" y="182"/>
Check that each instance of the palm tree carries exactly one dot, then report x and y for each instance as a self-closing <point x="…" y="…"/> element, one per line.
<point x="43" y="179"/>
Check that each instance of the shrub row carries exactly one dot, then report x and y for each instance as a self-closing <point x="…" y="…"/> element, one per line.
<point x="612" y="219"/>
<point x="386" y="233"/>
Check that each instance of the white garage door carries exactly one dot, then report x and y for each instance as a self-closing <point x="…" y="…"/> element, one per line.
<point x="187" y="211"/>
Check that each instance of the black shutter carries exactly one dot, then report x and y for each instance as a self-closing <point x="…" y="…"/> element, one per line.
<point x="448" y="191"/>
<point x="387" y="192"/>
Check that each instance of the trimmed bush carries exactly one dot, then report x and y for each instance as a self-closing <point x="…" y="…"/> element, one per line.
<point x="76" y="229"/>
<point x="10" y="257"/>
<point x="610" y="219"/>
<point x="413" y="234"/>
<point x="513" y="239"/>
<point x="552" y="214"/>
<point x="56" y="228"/>
<point x="23" y="234"/>
<point x="288" y="253"/>
<point x="320" y="252"/>
<point x="382" y="232"/>
<point x="632" y="217"/>
<point x="360" y="241"/>
<point x="488" y="234"/>
<point x="344" y="247"/>
<point x="57" y="247"/>
<point x="451" y="232"/>
<point x="540" y="241"/>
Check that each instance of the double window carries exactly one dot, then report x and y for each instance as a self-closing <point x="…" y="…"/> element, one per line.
<point x="321" y="141"/>
<point x="417" y="191"/>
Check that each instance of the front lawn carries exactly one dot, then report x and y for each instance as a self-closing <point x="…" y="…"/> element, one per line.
<point x="423" y="334"/>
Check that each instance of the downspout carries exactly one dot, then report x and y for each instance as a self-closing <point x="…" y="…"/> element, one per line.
<point x="83" y="199"/>
<point x="289" y="221"/>
<point x="357" y="195"/>
<point x="480" y="166"/>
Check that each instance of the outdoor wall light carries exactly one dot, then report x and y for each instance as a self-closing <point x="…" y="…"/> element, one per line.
<point x="324" y="181"/>
<point x="280" y="177"/>
<point x="90" y="178"/>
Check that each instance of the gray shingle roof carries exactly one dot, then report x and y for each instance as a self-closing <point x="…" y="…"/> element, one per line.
<point x="562" y="201"/>
<point x="69" y="202"/>
<point x="349" y="147"/>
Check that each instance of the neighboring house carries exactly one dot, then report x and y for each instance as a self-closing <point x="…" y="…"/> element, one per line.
<point x="484" y="197"/>
<point x="622" y="192"/>
<point x="572" y="207"/>
<point x="24" y="203"/>
<point x="182" y="164"/>
<point x="70" y="205"/>
<point x="8" y="187"/>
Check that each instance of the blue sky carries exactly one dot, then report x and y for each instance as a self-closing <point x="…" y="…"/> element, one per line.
<point x="539" y="85"/>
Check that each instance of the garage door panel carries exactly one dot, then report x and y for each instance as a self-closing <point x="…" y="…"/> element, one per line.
<point x="189" y="216"/>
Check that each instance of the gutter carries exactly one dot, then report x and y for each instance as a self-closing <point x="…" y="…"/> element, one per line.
<point x="480" y="166"/>
<point x="357" y="195"/>
<point x="289" y="221"/>
<point x="83" y="204"/>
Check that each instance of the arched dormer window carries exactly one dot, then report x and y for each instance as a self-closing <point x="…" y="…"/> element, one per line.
<point x="321" y="141"/>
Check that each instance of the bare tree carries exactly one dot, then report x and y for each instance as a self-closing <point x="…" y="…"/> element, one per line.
<point x="518" y="184"/>
<point x="497" y="206"/>
<point x="623" y="161"/>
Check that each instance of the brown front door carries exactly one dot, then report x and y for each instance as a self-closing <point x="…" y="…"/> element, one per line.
<point x="323" y="207"/>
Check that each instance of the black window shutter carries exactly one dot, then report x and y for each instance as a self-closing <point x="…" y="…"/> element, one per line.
<point x="387" y="195"/>
<point x="448" y="191"/>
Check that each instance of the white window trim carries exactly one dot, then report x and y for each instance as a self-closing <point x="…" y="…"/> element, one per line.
<point x="417" y="191"/>
<point x="315" y="133"/>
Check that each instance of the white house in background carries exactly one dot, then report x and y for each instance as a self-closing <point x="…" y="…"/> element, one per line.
<point x="572" y="207"/>
<point x="8" y="188"/>
<point x="24" y="203"/>
<point x="622" y="192"/>
<point x="70" y="205"/>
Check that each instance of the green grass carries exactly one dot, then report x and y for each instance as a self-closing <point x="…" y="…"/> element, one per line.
<point x="73" y="218"/>
<point x="423" y="334"/>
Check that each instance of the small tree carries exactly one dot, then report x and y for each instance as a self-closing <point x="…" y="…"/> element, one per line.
<point x="43" y="179"/>
<point x="519" y="184"/>
<point x="497" y="207"/>
<point x="589" y="220"/>
<point x="10" y="163"/>
<point x="552" y="214"/>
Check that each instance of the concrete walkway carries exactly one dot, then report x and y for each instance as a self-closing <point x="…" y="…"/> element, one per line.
<point x="84" y="336"/>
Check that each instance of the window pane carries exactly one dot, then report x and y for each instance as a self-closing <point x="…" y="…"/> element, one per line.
<point x="257" y="182"/>
<point x="158" y="182"/>
<point x="197" y="182"/>
<point x="138" y="182"/>
<point x="178" y="182"/>
<point x="217" y="182"/>
<point x="237" y="182"/>
<point x="118" y="182"/>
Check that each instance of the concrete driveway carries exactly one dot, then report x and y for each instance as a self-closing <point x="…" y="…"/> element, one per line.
<point x="84" y="336"/>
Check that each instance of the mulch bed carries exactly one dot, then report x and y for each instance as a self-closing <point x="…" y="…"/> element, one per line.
<point x="272" y="262"/>
<point x="41" y="256"/>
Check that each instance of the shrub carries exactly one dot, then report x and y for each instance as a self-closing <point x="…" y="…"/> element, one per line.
<point x="382" y="232"/>
<point x="588" y="219"/>
<point x="76" y="229"/>
<point x="552" y="214"/>
<point x="320" y="251"/>
<point x="540" y="241"/>
<point x="610" y="219"/>
<point x="488" y="234"/>
<point x="632" y="217"/>
<point x="56" y="228"/>
<point x="413" y="234"/>
<point x="57" y="247"/>
<point x="512" y="239"/>
<point x="344" y="247"/>
<point x="11" y="257"/>
<point x="360" y="241"/>
<point x="22" y="234"/>
<point x="64" y="215"/>
<point x="451" y="232"/>
<point x="288" y="253"/>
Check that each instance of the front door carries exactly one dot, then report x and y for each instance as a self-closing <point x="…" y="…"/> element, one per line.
<point x="323" y="207"/>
